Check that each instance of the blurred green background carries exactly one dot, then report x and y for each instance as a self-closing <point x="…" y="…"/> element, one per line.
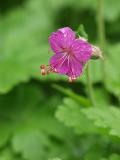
<point x="37" y="120"/>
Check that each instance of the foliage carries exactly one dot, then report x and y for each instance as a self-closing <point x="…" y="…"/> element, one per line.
<point x="45" y="118"/>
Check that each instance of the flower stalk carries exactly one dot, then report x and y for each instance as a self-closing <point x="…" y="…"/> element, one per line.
<point x="90" y="86"/>
<point x="101" y="30"/>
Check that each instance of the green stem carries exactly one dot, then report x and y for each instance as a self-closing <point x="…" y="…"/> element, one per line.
<point x="80" y="99"/>
<point x="101" y="25"/>
<point x="101" y="30"/>
<point x="89" y="83"/>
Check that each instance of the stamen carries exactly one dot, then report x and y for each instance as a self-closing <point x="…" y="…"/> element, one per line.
<point x="71" y="79"/>
<point x="59" y="63"/>
<point x="55" y="70"/>
<point x="43" y="69"/>
<point x="74" y="77"/>
<point x="51" y="69"/>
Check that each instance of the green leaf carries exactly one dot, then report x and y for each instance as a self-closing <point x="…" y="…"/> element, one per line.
<point x="5" y="132"/>
<point x="101" y="96"/>
<point x="81" y="32"/>
<point x="102" y="120"/>
<point x="29" y="118"/>
<point x="70" y="113"/>
<point x="31" y="143"/>
<point x="105" y="118"/>
<point x="24" y="45"/>
<point x="7" y="154"/>
<point x="112" y="65"/>
<point x="114" y="157"/>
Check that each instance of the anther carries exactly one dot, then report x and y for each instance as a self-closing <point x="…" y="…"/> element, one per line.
<point x="43" y="69"/>
<point x="70" y="80"/>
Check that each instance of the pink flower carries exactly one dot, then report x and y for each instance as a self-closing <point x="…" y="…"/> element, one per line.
<point x="70" y="53"/>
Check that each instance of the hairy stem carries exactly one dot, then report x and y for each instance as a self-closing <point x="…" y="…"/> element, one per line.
<point x="89" y="83"/>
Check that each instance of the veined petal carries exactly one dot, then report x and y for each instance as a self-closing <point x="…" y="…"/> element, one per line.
<point x="56" y="42"/>
<point x="75" y="68"/>
<point x="69" y="36"/>
<point x="62" y="39"/>
<point x="82" y="50"/>
<point x="59" y="62"/>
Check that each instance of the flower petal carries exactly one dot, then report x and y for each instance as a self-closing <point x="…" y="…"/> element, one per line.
<point x="56" y="41"/>
<point x="69" y="36"/>
<point x="61" y="39"/>
<point x="75" y="68"/>
<point x="82" y="50"/>
<point x="59" y="62"/>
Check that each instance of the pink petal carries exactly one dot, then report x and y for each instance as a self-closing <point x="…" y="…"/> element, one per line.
<point x="82" y="50"/>
<point x="75" y="68"/>
<point x="56" y="42"/>
<point x="61" y="39"/>
<point x="60" y="63"/>
<point x="68" y="35"/>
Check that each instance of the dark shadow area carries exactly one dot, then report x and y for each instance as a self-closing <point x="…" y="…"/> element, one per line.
<point x="7" y="5"/>
<point x="70" y="16"/>
<point x="113" y="31"/>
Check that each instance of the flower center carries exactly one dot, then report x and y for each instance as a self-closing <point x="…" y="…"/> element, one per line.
<point x="68" y="51"/>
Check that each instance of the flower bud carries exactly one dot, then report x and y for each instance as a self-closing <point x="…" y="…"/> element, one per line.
<point x="96" y="53"/>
